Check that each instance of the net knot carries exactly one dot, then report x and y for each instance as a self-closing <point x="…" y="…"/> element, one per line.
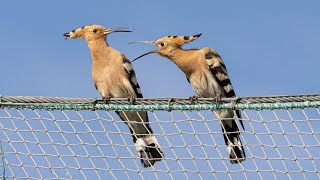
<point x="169" y="104"/>
<point x="94" y="103"/>
<point x="234" y="102"/>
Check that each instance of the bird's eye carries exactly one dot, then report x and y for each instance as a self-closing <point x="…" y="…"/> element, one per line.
<point x="162" y="44"/>
<point x="94" y="30"/>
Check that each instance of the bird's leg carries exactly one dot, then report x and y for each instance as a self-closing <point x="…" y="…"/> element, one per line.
<point x="106" y="99"/>
<point x="193" y="99"/>
<point x="131" y="99"/>
<point x="217" y="100"/>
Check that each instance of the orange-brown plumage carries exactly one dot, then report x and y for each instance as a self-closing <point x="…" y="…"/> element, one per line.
<point x="208" y="76"/>
<point x="114" y="77"/>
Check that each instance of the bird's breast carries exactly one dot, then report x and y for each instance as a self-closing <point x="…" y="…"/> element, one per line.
<point x="204" y="84"/>
<point x="109" y="81"/>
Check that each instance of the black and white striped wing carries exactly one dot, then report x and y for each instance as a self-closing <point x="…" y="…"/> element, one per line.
<point x="220" y="73"/>
<point x="132" y="76"/>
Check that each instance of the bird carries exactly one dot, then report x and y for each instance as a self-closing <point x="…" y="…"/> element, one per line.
<point x="114" y="77"/>
<point x="207" y="74"/>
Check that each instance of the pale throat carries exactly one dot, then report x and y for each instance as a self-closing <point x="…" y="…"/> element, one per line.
<point x="97" y="43"/>
<point x="99" y="48"/>
<point x="180" y="58"/>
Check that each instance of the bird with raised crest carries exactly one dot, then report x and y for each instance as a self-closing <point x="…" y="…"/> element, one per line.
<point x="207" y="74"/>
<point x="114" y="77"/>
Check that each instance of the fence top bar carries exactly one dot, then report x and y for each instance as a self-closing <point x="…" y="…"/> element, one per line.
<point x="161" y="104"/>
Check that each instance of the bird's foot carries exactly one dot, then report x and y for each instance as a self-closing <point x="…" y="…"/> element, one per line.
<point x="131" y="99"/>
<point x="93" y="108"/>
<point x="217" y="100"/>
<point x="194" y="99"/>
<point x="106" y="99"/>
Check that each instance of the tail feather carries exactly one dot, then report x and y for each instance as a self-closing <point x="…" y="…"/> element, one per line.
<point x="146" y="144"/>
<point x="148" y="150"/>
<point x="231" y="135"/>
<point x="234" y="147"/>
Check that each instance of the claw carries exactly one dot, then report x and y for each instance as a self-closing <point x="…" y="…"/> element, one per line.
<point x="217" y="100"/>
<point x="131" y="99"/>
<point x="94" y="105"/>
<point x="106" y="99"/>
<point x="193" y="99"/>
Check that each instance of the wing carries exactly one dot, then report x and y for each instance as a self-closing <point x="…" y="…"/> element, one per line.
<point x="218" y="69"/>
<point x="220" y="73"/>
<point x="133" y="117"/>
<point x="132" y="76"/>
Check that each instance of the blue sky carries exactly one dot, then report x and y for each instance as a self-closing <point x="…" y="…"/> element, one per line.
<point x="270" y="47"/>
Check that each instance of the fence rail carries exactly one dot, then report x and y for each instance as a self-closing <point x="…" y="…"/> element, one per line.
<point x="166" y="104"/>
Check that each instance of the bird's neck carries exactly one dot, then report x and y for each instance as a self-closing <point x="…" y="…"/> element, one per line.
<point x="99" y="48"/>
<point x="176" y="54"/>
<point x="181" y="58"/>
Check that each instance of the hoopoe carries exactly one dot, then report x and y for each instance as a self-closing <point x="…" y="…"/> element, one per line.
<point x="114" y="77"/>
<point x="208" y="76"/>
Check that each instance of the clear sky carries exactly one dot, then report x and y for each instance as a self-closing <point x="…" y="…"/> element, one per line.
<point x="269" y="47"/>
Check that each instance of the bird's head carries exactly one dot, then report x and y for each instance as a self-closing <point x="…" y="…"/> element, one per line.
<point x="93" y="32"/>
<point x="168" y="44"/>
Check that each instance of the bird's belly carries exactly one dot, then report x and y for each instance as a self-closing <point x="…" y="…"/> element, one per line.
<point x="205" y="86"/>
<point x="111" y="85"/>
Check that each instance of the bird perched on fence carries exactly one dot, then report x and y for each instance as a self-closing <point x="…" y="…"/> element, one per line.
<point x="208" y="76"/>
<point x="114" y="77"/>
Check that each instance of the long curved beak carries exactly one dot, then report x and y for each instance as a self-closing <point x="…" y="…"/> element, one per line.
<point x="143" y="42"/>
<point x="154" y="51"/>
<point x="111" y="30"/>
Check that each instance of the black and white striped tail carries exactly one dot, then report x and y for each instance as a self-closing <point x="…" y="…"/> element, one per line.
<point x="231" y="135"/>
<point x="148" y="150"/>
<point x="145" y="142"/>
<point x="234" y="147"/>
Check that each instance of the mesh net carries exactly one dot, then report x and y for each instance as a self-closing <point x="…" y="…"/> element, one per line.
<point x="69" y="144"/>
